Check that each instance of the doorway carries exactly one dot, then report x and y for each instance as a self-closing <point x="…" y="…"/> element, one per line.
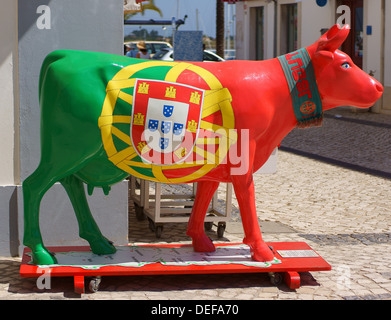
<point x="259" y="31"/>
<point x="353" y="45"/>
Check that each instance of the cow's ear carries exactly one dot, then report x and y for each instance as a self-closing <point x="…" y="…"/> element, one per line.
<point x="329" y="34"/>
<point x="323" y="58"/>
<point x="334" y="38"/>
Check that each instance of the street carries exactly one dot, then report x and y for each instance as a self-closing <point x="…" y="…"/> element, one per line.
<point x="342" y="212"/>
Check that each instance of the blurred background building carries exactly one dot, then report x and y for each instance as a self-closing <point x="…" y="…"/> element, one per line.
<point x="269" y="28"/>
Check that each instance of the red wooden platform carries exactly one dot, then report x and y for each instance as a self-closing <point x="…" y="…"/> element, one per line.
<point x="294" y="257"/>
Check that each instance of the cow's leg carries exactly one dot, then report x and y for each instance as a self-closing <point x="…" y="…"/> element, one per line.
<point x="195" y="229"/>
<point x="52" y="168"/>
<point x="245" y="194"/>
<point x="88" y="229"/>
<point x="34" y="188"/>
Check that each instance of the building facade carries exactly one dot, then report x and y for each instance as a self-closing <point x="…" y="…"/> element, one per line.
<point x="29" y="31"/>
<point x="269" y="28"/>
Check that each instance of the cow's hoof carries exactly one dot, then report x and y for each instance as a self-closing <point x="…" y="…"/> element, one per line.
<point x="103" y="246"/>
<point x="203" y="244"/>
<point x="261" y="252"/>
<point x="43" y="257"/>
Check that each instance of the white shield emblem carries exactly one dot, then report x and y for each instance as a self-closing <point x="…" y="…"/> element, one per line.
<point x="165" y="120"/>
<point x="161" y="115"/>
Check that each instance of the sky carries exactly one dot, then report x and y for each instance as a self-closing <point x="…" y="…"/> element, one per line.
<point x="180" y="8"/>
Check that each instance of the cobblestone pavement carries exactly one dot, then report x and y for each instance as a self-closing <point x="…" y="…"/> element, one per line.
<point x="343" y="213"/>
<point x="355" y="140"/>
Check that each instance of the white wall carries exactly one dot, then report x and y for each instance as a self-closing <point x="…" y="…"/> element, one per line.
<point x="313" y="19"/>
<point x="387" y="45"/>
<point x="239" y="33"/>
<point x="244" y="26"/>
<point x="269" y="31"/>
<point x="372" y="43"/>
<point x="386" y="105"/>
<point x="8" y="93"/>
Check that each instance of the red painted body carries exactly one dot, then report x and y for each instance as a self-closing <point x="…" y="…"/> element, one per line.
<point x="262" y="104"/>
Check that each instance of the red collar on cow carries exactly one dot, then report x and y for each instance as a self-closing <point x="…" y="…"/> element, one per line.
<point x="300" y="76"/>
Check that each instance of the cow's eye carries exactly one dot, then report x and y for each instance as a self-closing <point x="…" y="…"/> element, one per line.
<point x="345" y="65"/>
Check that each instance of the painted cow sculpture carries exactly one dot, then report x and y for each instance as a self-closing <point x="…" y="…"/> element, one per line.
<point x="105" y="117"/>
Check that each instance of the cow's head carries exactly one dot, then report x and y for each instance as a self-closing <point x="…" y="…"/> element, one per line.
<point x="340" y="81"/>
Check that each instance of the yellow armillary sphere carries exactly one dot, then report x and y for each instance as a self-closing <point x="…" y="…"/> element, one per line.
<point x="115" y="122"/>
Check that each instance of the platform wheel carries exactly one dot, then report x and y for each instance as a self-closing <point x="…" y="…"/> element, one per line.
<point x="78" y="284"/>
<point x="158" y="231"/>
<point x="292" y="279"/>
<point x="275" y="278"/>
<point x="94" y="284"/>
<point x="221" y="229"/>
<point x="139" y="212"/>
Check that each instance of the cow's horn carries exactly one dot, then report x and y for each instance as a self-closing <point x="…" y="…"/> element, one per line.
<point x="334" y="38"/>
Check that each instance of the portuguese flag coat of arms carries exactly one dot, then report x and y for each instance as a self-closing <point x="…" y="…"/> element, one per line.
<point x="156" y="125"/>
<point x="165" y="120"/>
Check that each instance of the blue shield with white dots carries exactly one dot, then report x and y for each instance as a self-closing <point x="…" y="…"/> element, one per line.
<point x="153" y="124"/>
<point x="178" y="127"/>
<point x="164" y="143"/>
<point x="168" y="110"/>
<point x="166" y="126"/>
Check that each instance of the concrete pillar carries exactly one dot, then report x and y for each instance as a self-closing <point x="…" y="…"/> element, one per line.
<point x="34" y="29"/>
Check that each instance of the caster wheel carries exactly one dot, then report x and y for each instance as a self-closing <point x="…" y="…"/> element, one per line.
<point x="158" y="231"/>
<point x="94" y="284"/>
<point x="139" y="212"/>
<point x="208" y="226"/>
<point x="221" y="229"/>
<point x="275" y="278"/>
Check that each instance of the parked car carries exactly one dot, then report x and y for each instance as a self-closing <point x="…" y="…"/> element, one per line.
<point x="167" y="54"/>
<point x="230" y="54"/>
<point x="152" y="46"/>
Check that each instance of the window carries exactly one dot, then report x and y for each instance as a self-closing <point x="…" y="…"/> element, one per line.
<point x="353" y="45"/>
<point x="159" y="46"/>
<point x="259" y="40"/>
<point x="210" y="57"/>
<point x="288" y="25"/>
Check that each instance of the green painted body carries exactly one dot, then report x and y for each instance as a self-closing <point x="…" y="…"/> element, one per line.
<point x="71" y="145"/>
<point x="72" y="91"/>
